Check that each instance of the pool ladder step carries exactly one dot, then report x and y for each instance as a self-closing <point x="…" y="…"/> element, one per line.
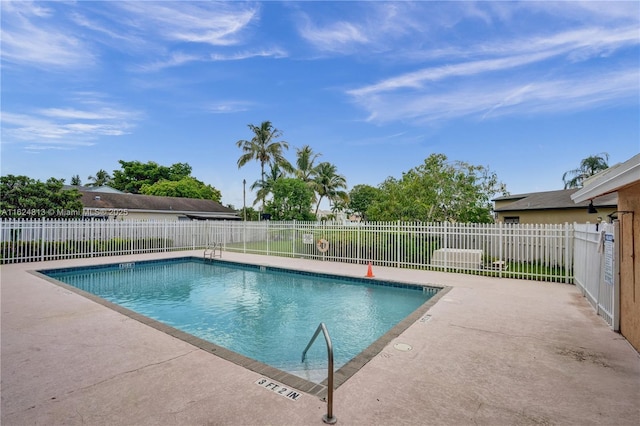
<point x="212" y="250"/>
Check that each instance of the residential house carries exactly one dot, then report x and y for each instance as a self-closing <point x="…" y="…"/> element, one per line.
<point x="107" y="203"/>
<point x="624" y="180"/>
<point x="552" y="207"/>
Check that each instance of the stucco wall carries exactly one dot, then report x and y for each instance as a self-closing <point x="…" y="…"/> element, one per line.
<point x="557" y="216"/>
<point x="125" y="214"/>
<point x="152" y="216"/>
<point x="629" y="200"/>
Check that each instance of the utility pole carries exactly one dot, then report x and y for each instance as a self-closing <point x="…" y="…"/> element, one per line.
<point x="244" y="198"/>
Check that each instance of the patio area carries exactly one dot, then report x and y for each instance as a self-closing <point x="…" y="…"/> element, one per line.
<point x="491" y="351"/>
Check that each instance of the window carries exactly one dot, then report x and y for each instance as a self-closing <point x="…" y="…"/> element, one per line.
<point x="512" y="219"/>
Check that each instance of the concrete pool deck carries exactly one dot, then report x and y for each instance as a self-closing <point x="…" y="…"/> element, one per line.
<point x="491" y="351"/>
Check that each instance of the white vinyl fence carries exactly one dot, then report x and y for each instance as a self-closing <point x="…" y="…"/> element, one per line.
<point x="540" y="252"/>
<point x="595" y="267"/>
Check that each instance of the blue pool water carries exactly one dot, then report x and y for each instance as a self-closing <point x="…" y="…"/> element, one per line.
<point x="266" y="314"/>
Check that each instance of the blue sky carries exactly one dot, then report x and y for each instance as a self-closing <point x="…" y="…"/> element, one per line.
<point x="527" y="89"/>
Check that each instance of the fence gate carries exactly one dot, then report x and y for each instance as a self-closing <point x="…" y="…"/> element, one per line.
<point x="596" y="270"/>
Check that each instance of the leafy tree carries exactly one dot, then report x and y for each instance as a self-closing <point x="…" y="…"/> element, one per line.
<point x="264" y="148"/>
<point x="75" y="180"/>
<point x="26" y="198"/>
<point x="292" y="199"/>
<point x="588" y="167"/>
<point x="438" y="191"/>
<point x="252" y="214"/>
<point x="361" y="197"/>
<point x="135" y="174"/>
<point x="101" y="178"/>
<point x="328" y="183"/>
<point x="187" y="187"/>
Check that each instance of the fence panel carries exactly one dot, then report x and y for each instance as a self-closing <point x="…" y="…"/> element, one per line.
<point x="590" y="269"/>
<point x="541" y="252"/>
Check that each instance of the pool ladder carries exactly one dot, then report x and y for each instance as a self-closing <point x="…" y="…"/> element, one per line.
<point x="211" y="249"/>
<point x="328" y="418"/>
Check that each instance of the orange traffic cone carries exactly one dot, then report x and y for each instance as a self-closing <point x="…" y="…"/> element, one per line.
<point x="369" y="272"/>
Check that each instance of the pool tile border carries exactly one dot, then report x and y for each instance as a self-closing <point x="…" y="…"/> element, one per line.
<point x="319" y="390"/>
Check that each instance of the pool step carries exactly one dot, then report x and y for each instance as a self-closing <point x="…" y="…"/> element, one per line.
<point x="312" y="375"/>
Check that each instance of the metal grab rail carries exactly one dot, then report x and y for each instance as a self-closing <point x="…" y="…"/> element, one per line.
<point x="329" y="417"/>
<point x="210" y="250"/>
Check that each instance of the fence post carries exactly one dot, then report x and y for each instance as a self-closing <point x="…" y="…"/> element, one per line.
<point x="568" y="260"/>
<point x="92" y="237"/>
<point x="294" y="234"/>
<point x="398" y="244"/>
<point x="42" y="232"/>
<point x="266" y="225"/>
<point x="445" y="244"/>
<point x="615" y="302"/>
<point x="164" y="234"/>
<point x="227" y="229"/>
<point x="500" y="253"/>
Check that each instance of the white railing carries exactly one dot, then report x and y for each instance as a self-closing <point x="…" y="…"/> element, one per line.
<point x="595" y="274"/>
<point x="541" y="252"/>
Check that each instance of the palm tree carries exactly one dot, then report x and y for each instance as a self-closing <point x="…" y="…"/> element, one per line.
<point x="100" y="179"/>
<point x="588" y="167"/>
<point x="305" y="163"/>
<point x="266" y="187"/>
<point x="328" y="183"/>
<point x="264" y="148"/>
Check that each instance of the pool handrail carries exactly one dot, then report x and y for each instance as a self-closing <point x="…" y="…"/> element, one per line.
<point x="328" y="418"/>
<point x="211" y="248"/>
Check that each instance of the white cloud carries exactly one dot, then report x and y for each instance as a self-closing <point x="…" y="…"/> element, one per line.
<point x="228" y="107"/>
<point x="218" y="24"/>
<point x="497" y="98"/>
<point x="419" y="78"/>
<point x="576" y="45"/>
<point x="474" y="83"/>
<point x="247" y="54"/>
<point x="174" y="59"/>
<point x="53" y="128"/>
<point x="29" y="37"/>
<point x="338" y="36"/>
<point x="103" y="113"/>
<point x="373" y="25"/>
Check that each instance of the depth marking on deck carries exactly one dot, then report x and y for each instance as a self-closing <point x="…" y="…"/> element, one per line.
<point x="278" y="388"/>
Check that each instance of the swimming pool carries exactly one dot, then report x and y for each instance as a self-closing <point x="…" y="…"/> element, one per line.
<point x="263" y="313"/>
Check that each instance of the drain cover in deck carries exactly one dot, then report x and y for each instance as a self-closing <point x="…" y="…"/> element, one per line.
<point x="402" y="347"/>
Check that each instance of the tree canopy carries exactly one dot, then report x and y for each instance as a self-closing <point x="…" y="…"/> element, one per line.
<point x="26" y="198"/>
<point x="187" y="187"/>
<point x="135" y="174"/>
<point x="438" y="191"/>
<point x="75" y="180"/>
<point x="361" y="197"/>
<point x="588" y="167"/>
<point x="292" y="199"/>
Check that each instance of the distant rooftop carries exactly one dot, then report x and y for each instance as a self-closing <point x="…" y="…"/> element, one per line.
<point x="560" y="199"/>
<point x="104" y="188"/>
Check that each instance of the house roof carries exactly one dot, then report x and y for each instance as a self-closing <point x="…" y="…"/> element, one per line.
<point x="198" y="208"/>
<point x="560" y="199"/>
<point x="103" y="188"/>
<point x="512" y="197"/>
<point x="609" y="180"/>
